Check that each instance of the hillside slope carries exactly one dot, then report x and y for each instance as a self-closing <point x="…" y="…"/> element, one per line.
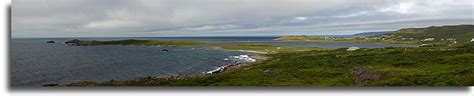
<point x="443" y="35"/>
<point x="458" y="33"/>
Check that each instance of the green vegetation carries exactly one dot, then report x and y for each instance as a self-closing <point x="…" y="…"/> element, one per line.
<point x="137" y="42"/>
<point x="448" y="61"/>
<point x="368" y="39"/>
<point x="268" y="48"/>
<point x="319" y="39"/>
<point x="442" y="35"/>
<point x="423" y="66"/>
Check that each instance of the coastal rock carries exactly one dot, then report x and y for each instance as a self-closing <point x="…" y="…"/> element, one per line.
<point x="242" y="58"/>
<point x="241" y="62"/>
<point x="74" y="42"/>
<point x="269" y="72"/>
<point x="50" y="41"/>
<point x="217" y="70"/>
<point x="77" y="42"/>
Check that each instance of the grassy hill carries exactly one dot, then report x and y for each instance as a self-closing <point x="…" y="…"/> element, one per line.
<point x="462" y="33"/>
<point x="453" y="34"/>
<point x="305" y="38"/>
<point x="372" y="33"/>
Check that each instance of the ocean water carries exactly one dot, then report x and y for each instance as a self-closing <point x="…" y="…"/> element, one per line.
<point x="34" y="63"/>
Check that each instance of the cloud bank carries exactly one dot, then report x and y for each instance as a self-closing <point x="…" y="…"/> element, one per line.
<point x="148" y="18"/>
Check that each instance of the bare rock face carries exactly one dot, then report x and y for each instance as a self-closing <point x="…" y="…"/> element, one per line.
<point x="268" y="72"/>
<point x="363" y="75"/>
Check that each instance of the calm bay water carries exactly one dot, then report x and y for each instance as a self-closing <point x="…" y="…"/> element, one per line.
<point x="35" y="63"/>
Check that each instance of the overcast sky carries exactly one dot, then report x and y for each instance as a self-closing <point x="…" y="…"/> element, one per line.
<point x="147" y="18"/>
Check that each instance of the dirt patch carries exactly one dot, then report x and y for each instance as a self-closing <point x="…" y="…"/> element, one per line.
<point x="364" y="76"/>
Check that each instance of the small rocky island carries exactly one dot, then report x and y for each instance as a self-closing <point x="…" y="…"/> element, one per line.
<point x="50" y="41"/>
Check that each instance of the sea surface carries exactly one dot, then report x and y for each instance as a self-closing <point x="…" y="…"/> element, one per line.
<point x="34" y="63"/>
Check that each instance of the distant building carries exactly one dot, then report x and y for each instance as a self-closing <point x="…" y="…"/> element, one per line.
<point x="428" y="39"/>
<point x="352" y="48"/>
<point x="472" y="40"/>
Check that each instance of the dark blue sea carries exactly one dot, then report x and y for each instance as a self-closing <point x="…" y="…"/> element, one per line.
<point x="34" y="63"/>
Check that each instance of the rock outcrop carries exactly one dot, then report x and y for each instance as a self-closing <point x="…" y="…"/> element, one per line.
<point x="362" y="75"/>
<point x="77" y="42"/>
<point x="50" y="41"/>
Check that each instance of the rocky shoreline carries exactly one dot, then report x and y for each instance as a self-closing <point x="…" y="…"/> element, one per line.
<point x="258" y="57"/>
<point x="255" y="56"/>
<point x="229" y="68"/>
<point x="236" y="66"/>
<point x="241" y="61"/>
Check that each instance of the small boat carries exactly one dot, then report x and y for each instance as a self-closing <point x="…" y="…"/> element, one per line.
<point x="165" y="50"/>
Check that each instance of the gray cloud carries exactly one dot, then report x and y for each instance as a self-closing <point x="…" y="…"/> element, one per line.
<point x="103" y="18"/>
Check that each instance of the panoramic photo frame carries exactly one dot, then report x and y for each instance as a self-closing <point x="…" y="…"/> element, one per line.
<point x="241" y="43"/>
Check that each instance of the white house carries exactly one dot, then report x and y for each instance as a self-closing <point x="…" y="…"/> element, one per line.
<point x="352" y="48"/>
<point x="428" y="39"/>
